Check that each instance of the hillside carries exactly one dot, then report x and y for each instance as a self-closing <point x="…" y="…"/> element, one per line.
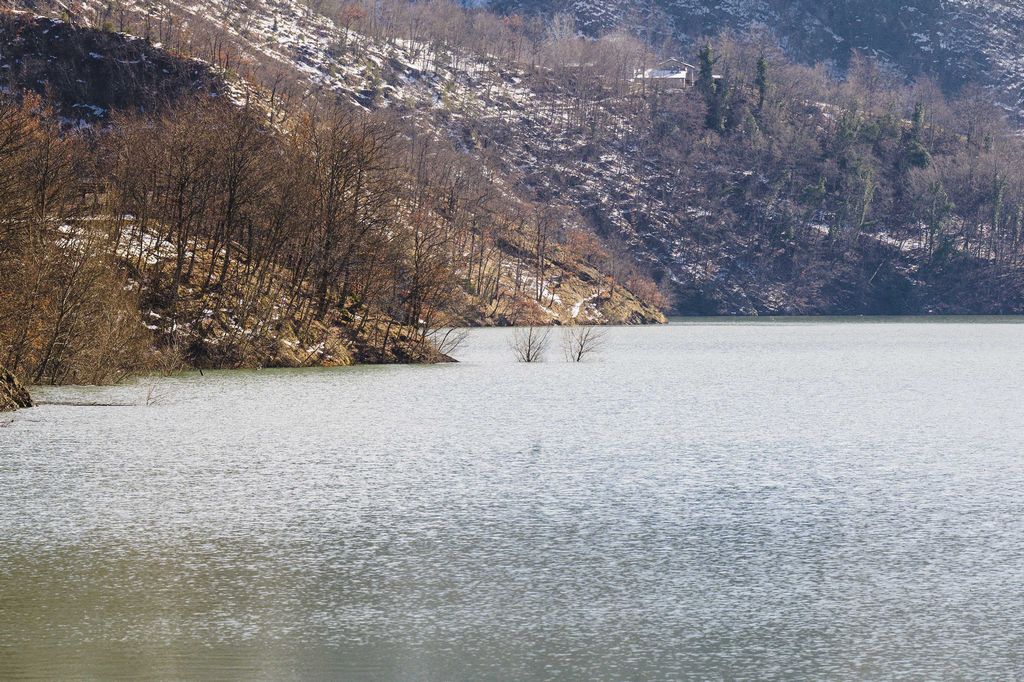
<point x="802" y="204"/>
<point x="562" y="189"/>
<point x="185" y="215"/>
<point x="88" y="73"/>
<point x="960" y="42"/>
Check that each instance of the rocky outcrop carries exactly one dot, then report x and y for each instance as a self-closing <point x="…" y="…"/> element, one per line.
<point x="12" y="394"/>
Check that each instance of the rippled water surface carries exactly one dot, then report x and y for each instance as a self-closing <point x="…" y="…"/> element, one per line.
<point x="707" y="500"/>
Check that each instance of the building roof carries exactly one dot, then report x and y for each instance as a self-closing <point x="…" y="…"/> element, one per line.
<point x="663" y="74"/>
<point x="670" y="69"/>
<point x="676" y="64"/>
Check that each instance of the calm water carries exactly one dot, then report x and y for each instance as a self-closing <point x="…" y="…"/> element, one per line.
<point x="701" y="501"/>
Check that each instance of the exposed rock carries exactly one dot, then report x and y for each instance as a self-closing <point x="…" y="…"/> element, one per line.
<point x="112" y="71"/>
<point x="12" y="394"/>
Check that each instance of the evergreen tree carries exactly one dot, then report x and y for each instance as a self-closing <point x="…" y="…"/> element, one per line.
<point x="915" y="154"/>
<point x="715" y="90"/>
<point x="706" y="71"/>
<point x="717" y="105"/>
<point x="761" y="82"/>
<point x="917" y="123"/>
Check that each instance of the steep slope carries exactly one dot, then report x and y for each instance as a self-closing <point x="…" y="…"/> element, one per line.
<point x="734" y="223"/>
<point x="609" y="158"/>
<point x="433" y="90"/>
<point x="157" y="210"/>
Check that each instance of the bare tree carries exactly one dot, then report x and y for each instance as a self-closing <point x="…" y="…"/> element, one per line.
<point x="449" y="340"/>
<point x="530" y="343"/>
<point x="580" y="341"/>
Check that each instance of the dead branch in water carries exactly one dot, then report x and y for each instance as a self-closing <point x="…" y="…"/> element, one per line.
<point x="578" y="342"/>
<point x="530" y="343"/>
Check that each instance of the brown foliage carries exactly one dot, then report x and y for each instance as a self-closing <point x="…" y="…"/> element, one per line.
<point x="65" y="314"/>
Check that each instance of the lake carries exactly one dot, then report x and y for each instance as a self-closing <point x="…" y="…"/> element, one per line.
<point x="711" y="499"/>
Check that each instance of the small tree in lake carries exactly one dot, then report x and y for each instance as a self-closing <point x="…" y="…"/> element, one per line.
<point x="530" y="343"/>
<point x="578" y="342"/>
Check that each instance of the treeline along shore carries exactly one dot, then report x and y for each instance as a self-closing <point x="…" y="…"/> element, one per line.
<point x="208" y="230"/>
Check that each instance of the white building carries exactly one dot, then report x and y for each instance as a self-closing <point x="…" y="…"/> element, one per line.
<point x="671" y="74"/>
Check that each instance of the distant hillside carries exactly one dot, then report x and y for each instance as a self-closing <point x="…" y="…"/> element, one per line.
<point x="823" y="198"/>
<point x="774" y="188"/>
<point x="960" y="42"/>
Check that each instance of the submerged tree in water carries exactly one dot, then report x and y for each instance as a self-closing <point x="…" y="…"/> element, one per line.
<point x="530" y="343"/>
<point x="578" y="342"/>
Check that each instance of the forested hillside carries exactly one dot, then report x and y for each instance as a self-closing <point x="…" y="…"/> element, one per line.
<point x="960" y="43"/>
<point x="198" y="219"/>
<point x="821" y="195"/>
<point x="334" y="180"/>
